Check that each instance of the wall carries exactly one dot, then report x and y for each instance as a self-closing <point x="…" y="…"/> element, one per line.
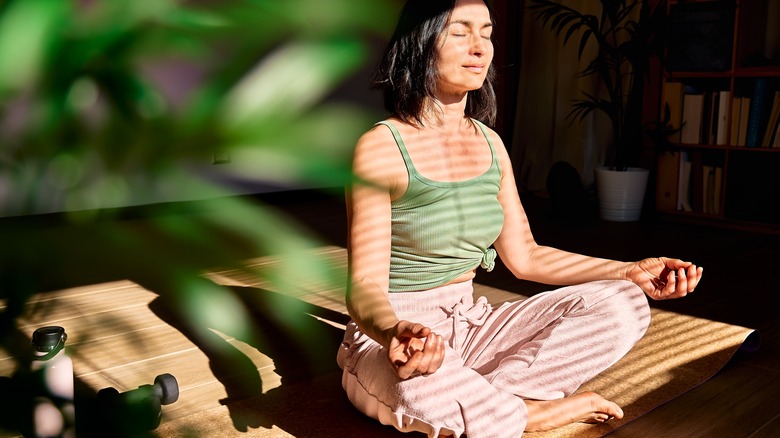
<point x="93" y="136"/>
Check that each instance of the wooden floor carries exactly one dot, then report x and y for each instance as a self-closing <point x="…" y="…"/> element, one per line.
<point x="742" y="271"/>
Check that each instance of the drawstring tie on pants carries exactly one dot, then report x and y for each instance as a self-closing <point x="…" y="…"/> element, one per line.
<point x="474" y="316"/>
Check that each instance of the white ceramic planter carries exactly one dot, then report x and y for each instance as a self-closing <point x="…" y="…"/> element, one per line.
<point x="621" y="194"/>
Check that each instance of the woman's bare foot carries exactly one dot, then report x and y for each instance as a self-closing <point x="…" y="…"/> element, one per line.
<point x="586" y="407"/>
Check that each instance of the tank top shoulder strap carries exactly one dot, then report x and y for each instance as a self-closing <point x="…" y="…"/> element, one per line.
<point x="485" y="132"/>
<point x="401" y="146"/>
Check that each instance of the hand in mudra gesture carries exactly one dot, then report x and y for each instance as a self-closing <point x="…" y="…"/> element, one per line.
<point x="662" y="278"/>
<point x="414" y="350"/>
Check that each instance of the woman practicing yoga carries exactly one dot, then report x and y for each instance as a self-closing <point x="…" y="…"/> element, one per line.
<point x="434" y="199"/>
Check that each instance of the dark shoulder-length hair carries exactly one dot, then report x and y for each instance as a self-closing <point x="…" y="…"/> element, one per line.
<point x="407" y="73"/>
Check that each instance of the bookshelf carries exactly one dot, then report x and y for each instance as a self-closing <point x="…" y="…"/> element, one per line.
<point x="722" y="88"/>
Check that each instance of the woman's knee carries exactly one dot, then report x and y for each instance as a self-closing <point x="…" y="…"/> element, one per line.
<point x="628" y="308"/>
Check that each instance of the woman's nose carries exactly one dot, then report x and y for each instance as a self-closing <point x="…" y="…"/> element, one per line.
<point x="478" y="45"/>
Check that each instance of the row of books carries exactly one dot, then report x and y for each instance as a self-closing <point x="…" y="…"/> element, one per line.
<point x="685" y="186"/>
<point x="718" y="118"/>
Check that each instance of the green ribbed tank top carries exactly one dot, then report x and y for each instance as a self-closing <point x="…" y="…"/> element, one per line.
<point x="441" y="230"/>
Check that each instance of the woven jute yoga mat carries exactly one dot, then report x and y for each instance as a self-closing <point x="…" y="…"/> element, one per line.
<point x="677" y="353"/>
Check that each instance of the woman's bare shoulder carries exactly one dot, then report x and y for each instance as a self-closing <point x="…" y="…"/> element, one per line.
<point x="378" y="135"/>
<point x="376" y="155"/>
<point x="381" y="135"/>
<point x="498" y="143"/>
<point x="494" y="137"/>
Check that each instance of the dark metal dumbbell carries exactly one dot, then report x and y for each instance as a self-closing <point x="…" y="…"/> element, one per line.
<point x="138" y="409"/>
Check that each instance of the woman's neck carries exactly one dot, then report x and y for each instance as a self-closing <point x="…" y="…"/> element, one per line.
<point x="446" y="114"/>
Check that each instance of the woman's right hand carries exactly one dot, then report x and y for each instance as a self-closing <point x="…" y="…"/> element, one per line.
<point x="413" y="349"/>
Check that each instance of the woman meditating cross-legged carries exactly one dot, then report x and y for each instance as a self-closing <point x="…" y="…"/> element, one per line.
<point x="435" y="200"/>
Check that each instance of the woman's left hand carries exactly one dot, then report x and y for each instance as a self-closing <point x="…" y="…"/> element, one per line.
<point x="662" y="278"/>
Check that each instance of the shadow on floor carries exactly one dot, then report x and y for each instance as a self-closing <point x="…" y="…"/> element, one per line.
<point x="293" y="333"/>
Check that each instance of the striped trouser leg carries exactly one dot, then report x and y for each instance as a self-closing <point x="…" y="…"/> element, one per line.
<point x="545" y="347"/>
<point x="540" y="348"/>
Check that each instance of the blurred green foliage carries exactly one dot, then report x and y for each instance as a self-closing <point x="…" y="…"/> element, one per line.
<point x="108" y="104"/>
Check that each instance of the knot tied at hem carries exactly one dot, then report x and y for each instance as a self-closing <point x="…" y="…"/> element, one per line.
<point x="488" y="259"/>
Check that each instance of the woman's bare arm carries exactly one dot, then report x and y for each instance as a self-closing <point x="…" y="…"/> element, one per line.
<point x="411" y="347"/>
<point x="528" y="260"/>
<point x="368" y="216"/>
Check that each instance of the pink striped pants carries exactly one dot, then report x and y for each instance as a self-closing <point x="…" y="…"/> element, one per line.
<point x="541" y="348"/>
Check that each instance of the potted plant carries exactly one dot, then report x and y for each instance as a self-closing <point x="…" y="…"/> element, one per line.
<point x="627" y="38"/>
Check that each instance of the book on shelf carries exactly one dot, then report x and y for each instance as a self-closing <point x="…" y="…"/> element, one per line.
<point x="713" y="113"/>
<point x="743" y="121"/>
<point x="771" y="126"/>
<point x="776" y="135"/>
<point x="668" y="176"/>
<point x="708" y="175"/>
<point x="718" y="189"/>
<point x="712" y="180"/>
<point x="701" y="117"/>
<point x="760" y="106"/>
<point x="696" y="189"/>
<point x="684" y="183"/>
<point x="736" y="115"/>
<point x="724" y="98"/>
<point x="692" y="112"/>
<point x="706" y="118"/>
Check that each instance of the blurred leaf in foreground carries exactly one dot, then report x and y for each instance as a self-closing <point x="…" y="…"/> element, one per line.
<point x="109" y="104"/>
